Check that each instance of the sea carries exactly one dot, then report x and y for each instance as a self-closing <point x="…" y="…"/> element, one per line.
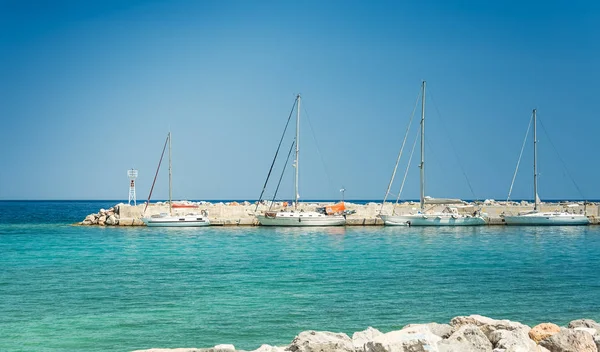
<point x="76" y="288"/>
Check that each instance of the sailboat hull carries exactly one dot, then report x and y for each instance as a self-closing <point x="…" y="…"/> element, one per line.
<point x="547" y="219"/>
<point x="432" y="220"/>
<point x="177" y="221"/>
<point x="301" y="219"/>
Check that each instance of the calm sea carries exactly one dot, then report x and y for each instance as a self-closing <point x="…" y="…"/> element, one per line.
<point x="67" y="288"/>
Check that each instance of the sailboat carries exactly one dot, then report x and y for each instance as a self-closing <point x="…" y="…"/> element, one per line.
<point x="423" y="217"/>
<point x="170" y="220"/>
<point x="330" y="216"/>
<point x="537" y="217"/>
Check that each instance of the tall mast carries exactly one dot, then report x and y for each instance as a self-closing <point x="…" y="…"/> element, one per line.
<point x="535" y="192"/>
<point x="170" y="179"/>
<point x="422" y="166"/>
<point x="297" y="150"/>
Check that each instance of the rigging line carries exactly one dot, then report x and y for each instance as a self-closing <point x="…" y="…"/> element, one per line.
<point x="156" y="175"/>
<point x="452" y="146"/>
<point x="519" y="161"/>
<point x="387" y="192"/>
<point x="282" y="172"/>
<point x="276" y="153"/>
<point x="318" y="149"/>
<point x="561" y="160"/>
<point x="406" y="172"/>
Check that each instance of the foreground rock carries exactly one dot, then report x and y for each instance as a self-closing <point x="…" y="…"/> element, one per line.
<point x="569" y="340"/>
<point x="474" y="333"/>
<point x="321" y="341"/>
<point x="543" y="331"/>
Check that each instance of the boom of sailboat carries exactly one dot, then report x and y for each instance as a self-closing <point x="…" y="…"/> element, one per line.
<point x="431" y="211"/>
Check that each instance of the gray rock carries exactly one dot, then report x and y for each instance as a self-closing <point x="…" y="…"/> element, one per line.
<point x="468" y="338"/>
<point x="360" y="338"/>
<point x="590" y="331"/>
<point x="412" y="339"/>
<point x="269" y="348"/>
<point x="173" y="350"/>
<point x="112" y="220"/>
<point x="224" y="348"/>
<point x="442" y="330"/>
<point x="585" y="323"/>
<point x="87" y="222"/>
<point x="102" y="218"/>
<point x="321" y="341"/>
<point x="91" y="218"/>
<point x="512" y="341"/>
<point x="487" y="325"/>
<point x="568" y="340"/>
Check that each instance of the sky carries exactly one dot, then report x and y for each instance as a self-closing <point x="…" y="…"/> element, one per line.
<point x="90" y="89"/>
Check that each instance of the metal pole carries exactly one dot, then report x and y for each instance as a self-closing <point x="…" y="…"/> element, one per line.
<point x="535" y="191"/>
<point x="170" y="179"/>
<point x="422" y="166"/>
<point x="297" y="151"/>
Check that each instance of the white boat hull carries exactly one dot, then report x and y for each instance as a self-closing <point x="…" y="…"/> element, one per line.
<point x="432" y="220"/>
<point x="547" y="219"/>
<point x="177" y="221"/>
<point x="301" y="219"/>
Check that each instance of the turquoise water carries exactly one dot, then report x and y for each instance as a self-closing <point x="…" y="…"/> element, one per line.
<point x="65" y="288"/>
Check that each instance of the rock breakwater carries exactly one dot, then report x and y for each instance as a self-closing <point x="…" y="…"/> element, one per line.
<point x="474" y="333"/>
<point x="243" y="213"/>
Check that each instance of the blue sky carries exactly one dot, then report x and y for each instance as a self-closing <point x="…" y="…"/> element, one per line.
<point x="89" y="89"/>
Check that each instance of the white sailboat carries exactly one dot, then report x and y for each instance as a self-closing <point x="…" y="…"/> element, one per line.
<point x="299" y="217"/>
<point x="537" y="217"/>
<point x="448" y="217"/>
<point x="170" y="220"/>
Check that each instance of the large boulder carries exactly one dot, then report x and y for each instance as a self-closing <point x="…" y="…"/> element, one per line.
<point x="321" y="341"/>
<point x="360" y="338"/>
<point x="412" y="339"/>
<point x="585" y="323"/>
<point x="487" y="325"/>
<point x="442" y="330"/>
<point x="111" y="220"/>
<point x="568" y="340"/>
<point x="269" y="348"/>
<point x="513" y="341"/>
<point x="173" y="350"/>
<point x="468" y="338"/>
<point x="543" y="331"/>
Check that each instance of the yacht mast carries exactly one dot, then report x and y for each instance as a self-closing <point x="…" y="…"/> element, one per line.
<point x="170" y="179"/>
<point x="297" y="150"/>
<point x="535" y="191"/>
<point x="422" y="166"/>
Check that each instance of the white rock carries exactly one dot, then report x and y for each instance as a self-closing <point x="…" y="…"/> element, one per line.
<point x="269" y="348"/>
<point x="487" y="325"/>
<point x="468" y="338"/>
<point x="411" y="339"/>
<point x="321" y="341"/>
<point x="111" y="220"/>
<point x="512" y="341"/>
<point x="360" y="338"/>
<point x="442" y="330"/>
<point x="224" y="348"/>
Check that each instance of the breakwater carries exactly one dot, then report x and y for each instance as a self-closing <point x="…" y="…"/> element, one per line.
<point x="243" y="213"/>
<point x="474" y="333"/>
